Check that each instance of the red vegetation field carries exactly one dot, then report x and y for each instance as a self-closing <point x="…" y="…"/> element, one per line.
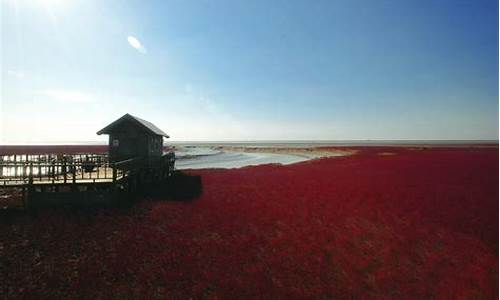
<point x="409" y="224"/>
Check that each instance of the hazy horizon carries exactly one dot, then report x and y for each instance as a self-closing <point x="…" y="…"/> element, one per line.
<point x="270" y="142"/>
<point x="259" y="70"/>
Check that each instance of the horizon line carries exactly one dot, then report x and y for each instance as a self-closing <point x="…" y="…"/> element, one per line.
<point x="388" y="141"/>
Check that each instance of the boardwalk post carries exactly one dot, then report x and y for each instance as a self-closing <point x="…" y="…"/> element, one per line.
<point x="30" y="187"/>
<point x="53" y="163"/>
<point x="15" y="167"/>
<point x="64" y="170"/>
<point x="26" y="169"/>
<point x="114" y="173"/>
<point x="31" y="172"/>
<point x="29" y="193"/>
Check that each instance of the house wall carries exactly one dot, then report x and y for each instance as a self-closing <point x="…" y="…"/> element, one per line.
<point x="156" y="146"/>
<point x="129" y="141"/>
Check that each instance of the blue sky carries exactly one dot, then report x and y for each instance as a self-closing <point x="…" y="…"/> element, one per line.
<point x="250" y="70"/>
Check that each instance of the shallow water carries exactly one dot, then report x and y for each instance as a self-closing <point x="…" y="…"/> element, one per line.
<point x="203" y="157"/>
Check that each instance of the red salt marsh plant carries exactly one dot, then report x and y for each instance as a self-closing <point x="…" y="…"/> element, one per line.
<point x="412" y="225"/>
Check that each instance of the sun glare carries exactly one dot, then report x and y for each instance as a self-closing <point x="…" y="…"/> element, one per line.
<point x="47" y="4"/>
<point x="52" y="3"/>
<point x="55" y="5"/>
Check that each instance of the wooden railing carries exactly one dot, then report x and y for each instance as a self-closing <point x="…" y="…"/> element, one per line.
<point x="33" y="169"/>
<point x="168" y="160"/>
<point x="60" y="168"/>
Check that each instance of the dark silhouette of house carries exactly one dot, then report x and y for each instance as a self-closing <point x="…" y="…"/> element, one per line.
<point x="132" y="137"/>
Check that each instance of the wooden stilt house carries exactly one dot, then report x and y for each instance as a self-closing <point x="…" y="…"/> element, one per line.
<point x="132" y="137"/>
<point x="135" y="161"/>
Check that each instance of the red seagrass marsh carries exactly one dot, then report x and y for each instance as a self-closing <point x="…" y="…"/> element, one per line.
<point x="384" y="223"/>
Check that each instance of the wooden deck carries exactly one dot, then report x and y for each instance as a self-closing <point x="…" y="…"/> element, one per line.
<point x="78" y="173"/>
<point x="21" y="170"/>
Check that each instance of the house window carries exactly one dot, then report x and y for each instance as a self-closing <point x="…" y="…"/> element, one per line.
<point x="116" y="143"/>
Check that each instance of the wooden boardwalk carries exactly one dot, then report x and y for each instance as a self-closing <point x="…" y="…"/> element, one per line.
<point x="78" y="173"/>
<point x="28" y="169"/>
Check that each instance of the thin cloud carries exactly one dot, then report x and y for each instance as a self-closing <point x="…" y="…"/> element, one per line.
<point x="67" y="96"/>
<point x="188" y="88"/>
<point x="136" y="44"/>
<point x="18" y="74"/>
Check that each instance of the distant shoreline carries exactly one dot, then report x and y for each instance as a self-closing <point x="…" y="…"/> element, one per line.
<point x="257" y="146"/>
<point x="102" y="147"/>
<point x="274" y="142"/>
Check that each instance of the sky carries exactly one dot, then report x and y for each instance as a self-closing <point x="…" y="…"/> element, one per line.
<point x="212" y="70"/>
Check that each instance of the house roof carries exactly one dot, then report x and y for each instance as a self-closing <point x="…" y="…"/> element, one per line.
<point x="127" y="117"/>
